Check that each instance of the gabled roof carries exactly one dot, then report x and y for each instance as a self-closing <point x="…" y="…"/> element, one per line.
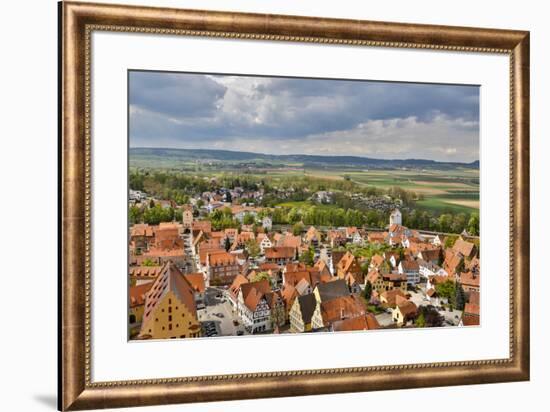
<point x="409" y="265"/>
<point x="407" y="307"/>
<point x="343" y="307"/>
<point x="138" y="293"/>
<point x="332" y="290"/>
<point x="391" y="296"/>
<point x="197" y="281"/>
<point x="289" y="294"/>
<point x="269" y="266"/>
<point x="253" y="292"/>
<point x="321" y="266"/>
<point x="465" y="248"/>
<point x="377" y="236"/>
<point x="337" y="256"/>
<point x="290" y="241"/>
<point x="373" y="276"/>
<point x="202" y="225"/>
<point x="367" y="322"/>
<point x="376" y="260"/>
<point x="397" y="229"/>
<point x="311" y="276"/>
<point x="142" y="229"/>
<point x="469" y="279"/>
<point x="221" y="258"/>
<point x="430" y="254"/>
<point x="307" y="307"/>
<point x="280" y="252"/>
<point x="236" y="285"/>
<point x="170" y="280"/>
<point x="312" y="233"/>
<point x="452" y="261"/>
<point x="346" y="262"/>
<point x="302" y="287"/>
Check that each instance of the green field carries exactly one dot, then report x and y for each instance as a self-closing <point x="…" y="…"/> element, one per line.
<point x="439" y="188"/>
<point x="446" y="190"/>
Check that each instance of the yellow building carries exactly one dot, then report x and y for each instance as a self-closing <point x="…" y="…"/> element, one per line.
<point x="301" y="313"/>
<point x="404" y="312"/>
<point x="170" y="310"/>
<point x="382" y="282"/>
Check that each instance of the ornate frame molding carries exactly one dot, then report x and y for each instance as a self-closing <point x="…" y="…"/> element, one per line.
<point x="79" y="20"/>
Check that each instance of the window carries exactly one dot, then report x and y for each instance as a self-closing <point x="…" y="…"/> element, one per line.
<point x="169" y="318"/>
<point x="169" y="326"/>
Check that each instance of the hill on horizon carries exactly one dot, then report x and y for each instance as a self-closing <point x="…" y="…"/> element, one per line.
<point x="172" y="156"/>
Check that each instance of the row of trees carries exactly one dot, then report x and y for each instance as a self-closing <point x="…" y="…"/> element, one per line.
<point x="153" y="215"/>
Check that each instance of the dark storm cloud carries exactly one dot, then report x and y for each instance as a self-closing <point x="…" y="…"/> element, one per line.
<point x="241" y="113"/>
<point x="172" y="95"/>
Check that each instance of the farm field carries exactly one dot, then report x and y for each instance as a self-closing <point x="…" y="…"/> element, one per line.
<point x="453" y="188"/>
<point x="446" y="190"/>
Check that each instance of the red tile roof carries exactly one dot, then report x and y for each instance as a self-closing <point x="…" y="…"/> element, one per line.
<point x="170" y="280"/>
<point x="341" y="308"/>
<point x="197" y="281"/>
<point x="253" y="292"/>
<point x="138" y="293"/>
<point x="280" y="252"/>
<point x="367" y="322"/>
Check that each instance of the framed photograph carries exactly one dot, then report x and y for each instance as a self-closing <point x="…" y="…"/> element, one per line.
<point x="264" y="205"/>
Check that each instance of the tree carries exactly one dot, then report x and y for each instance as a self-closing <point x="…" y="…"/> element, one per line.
<point x="450" y="241"/>
<point x="135" y="215"/>
<point x="459" y="223"/>
<point x="148" y="262"/>
<point x="428" y="316"/>
<point x="473" y="224"/>
<point x="446" y="289"/>
<point x="261" y="276"/>
<point x="445" y="223"/>
<point x="420" y="321"/>
<point x="253" y="248"/>
<point x="307" y="256"/>
<point x="297" y="228"/>
<point x="460" y="297"/>
<point x="248" y="219"/>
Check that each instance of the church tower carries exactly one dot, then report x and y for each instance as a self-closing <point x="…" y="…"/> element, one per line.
<point x="395" y="217"/>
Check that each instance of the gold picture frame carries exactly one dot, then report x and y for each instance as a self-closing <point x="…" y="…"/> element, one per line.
<point x="79" y="20"/>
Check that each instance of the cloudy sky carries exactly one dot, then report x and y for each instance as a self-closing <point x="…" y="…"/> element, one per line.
<point x="304" y="116"/>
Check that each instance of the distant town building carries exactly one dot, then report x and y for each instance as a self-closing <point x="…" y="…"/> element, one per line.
<point x="187" y="217"/>
<point x="267" y="223"/>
